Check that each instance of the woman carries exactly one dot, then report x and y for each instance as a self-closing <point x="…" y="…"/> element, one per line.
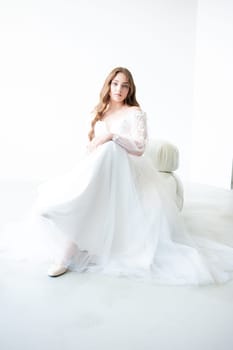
<point x="112" y="213"/>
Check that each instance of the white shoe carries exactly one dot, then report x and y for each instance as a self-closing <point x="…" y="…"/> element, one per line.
<point x="56" y="270"/>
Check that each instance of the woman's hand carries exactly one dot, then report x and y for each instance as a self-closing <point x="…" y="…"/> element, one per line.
<point x="100" y="140"/>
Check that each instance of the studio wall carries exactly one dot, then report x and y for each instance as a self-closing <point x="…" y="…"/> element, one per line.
<point x="56" y="54"/>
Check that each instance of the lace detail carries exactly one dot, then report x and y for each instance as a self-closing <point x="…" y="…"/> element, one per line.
<point x="134" y="141"/>
<point x="139" y="133"/>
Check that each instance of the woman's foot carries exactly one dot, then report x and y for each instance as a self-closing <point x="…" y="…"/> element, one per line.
<point x="59" y="268"/>
<point x="56" y="270"/>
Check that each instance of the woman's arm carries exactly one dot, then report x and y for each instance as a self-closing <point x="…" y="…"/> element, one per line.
<point x="99" y="140"/>
<point x="136" y="141"/>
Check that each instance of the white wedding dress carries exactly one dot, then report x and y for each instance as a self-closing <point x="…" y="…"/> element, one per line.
<point x="115" y="208"/>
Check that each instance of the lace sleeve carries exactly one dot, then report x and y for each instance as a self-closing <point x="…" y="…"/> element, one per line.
<point x="136" y="141"/>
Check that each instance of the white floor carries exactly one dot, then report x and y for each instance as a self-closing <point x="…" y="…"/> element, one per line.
<point x="85" y="312"/>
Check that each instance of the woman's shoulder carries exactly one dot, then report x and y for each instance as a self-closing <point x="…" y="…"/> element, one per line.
<point x="136" y="111"/>
<point x="134" y="108"/>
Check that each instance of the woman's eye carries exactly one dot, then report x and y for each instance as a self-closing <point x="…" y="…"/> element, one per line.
<point x="123" y="86"/>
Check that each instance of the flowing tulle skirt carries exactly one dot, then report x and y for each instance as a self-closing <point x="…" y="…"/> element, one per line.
<point x="115" y="208"/>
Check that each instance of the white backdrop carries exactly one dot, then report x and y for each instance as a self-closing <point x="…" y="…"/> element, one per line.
<point x="54" y="58"/>
<point x="212" y="127"/>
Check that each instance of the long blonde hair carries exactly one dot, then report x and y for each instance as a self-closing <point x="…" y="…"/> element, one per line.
<point x="102" y="106"/>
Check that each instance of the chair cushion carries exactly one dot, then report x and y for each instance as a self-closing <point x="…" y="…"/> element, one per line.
<point x="164" y="155"/>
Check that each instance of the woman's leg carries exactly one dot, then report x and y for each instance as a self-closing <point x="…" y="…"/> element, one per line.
<point x="61" y="265"/>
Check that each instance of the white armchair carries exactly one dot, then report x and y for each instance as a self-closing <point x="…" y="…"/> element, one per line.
<point x="165" y="158"/>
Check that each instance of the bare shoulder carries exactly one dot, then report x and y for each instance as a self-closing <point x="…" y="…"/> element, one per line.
<point x="136" y="112"/>
<point x="135" y="108"/>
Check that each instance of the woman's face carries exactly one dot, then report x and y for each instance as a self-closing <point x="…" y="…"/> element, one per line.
<point x="119" y="88"/>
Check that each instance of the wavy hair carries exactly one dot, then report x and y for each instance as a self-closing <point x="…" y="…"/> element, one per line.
<point x="102" y="106"/>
